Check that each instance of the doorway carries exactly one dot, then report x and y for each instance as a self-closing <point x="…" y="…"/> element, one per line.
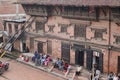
<point x="1" y="39"/>
<point x="65" y="47"/>
<point x="40" y="47"/>
<point x="89" y="59"/>
<point x="24" y="47"/>
<point x="79" y="57"/>
<point x="49" y="47"/>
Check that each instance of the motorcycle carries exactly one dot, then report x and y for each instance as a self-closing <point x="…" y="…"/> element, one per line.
<point x="3" y="67"/>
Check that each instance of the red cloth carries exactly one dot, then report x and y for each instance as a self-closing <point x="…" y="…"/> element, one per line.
<point x="66" y="65"/>
<point x="1" y="65"/>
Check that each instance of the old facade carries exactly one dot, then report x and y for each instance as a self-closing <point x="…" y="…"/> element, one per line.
<point x="80" y="32"/>
<point x="12" y="26"/>
<point x="11" y="17"/>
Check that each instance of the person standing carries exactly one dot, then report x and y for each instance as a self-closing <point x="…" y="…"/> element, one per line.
<point x="115" y="77"/>
<point x="110" y="76"/>
<point x="118" y="76"/>
<point x="97" y="74"/>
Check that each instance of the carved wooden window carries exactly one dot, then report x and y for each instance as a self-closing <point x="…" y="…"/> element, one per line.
<point x="117" y="39"/>
<point x="68" y="11"/>
<point x="16" y="27"/>
<point x="39" y="26"/>
<point x="80" y="31"/>
<point x="116" y="10"/>
<point x="51" y="28"/>
<point x="56" y="10"/>
<point x="25" y="8"/>
<point x="41" y="10"/>
<point x="28" y="9"/>
<point x="98" y="34"/>
<point x="35" y="9"/>
<point x="63" y="28"/>
<point x="85" y="11"/>
<point x="116" y="15"/>
<point x="82" y="12"/>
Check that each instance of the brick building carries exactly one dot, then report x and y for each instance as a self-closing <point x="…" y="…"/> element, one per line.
<point x="78" y="31"/>
<point x="8" y="9"/>
<point x="11" y="15"/>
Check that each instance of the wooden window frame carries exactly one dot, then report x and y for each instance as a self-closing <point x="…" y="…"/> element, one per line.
<point x="39" y="26"/>
<point x="81" y="31"/>
<point x="51" y="28"/>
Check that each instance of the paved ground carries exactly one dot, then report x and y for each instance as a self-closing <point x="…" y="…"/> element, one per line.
<point x="19" y="71"/>
<point x="22" y="70"/>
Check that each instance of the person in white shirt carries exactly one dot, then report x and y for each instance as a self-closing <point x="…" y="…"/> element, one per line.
<point x="115" y="77"/>
<point x="97" y="74"/>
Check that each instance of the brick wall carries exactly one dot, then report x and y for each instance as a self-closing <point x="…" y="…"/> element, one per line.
<point x="10" y="9"/>
<point x="56" y="44"/>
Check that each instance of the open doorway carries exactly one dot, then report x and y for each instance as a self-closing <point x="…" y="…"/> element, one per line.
<point x="99" y="61"/>
<point x="79" y="57"/>
<point x="24" y="47"/>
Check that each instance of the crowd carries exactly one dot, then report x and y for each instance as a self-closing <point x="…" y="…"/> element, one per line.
<point x="41" y="59"/>
<point x="60" y="64"/>
<point x="44" y="59"/>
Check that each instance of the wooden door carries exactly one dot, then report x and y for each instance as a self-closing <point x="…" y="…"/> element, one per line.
<point x="65" y="47"/>
<point x="49" y="47"/>
<point x="40" y="47"/>
<point x="89" y="59"/>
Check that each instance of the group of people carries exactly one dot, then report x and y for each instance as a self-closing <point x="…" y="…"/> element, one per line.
<point x="62" y="65"/>
<point x="44" y="59"/>
<point x="40" y="59"/>
<point x="113" y="76"/>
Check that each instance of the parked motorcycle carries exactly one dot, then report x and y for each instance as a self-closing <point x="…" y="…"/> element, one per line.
<point x="3" y="67"/>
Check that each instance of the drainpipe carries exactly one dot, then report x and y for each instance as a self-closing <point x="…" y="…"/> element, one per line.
<point x="109" y="41"/>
